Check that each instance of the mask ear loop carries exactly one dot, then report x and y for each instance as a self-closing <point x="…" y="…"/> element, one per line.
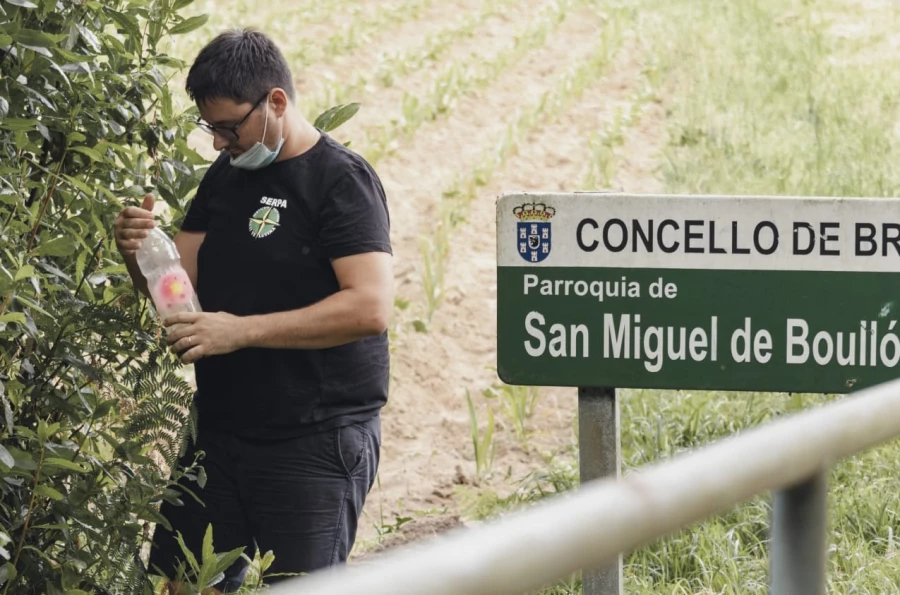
<point x="266" y="125"/>
<point x="281" y="134"/>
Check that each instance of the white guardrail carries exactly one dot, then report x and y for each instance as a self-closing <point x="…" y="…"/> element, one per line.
<point x="594" y="524"/>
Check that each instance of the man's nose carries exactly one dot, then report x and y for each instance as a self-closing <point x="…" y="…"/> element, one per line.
<point x="219" y="142"/>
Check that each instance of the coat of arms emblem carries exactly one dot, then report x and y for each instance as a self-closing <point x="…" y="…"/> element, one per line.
<point x="533" y="231"/>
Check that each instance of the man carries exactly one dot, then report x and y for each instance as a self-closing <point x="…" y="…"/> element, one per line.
<point x="287" y="242"/>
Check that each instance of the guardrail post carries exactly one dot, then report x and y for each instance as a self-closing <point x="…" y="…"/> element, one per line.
<point x="599" y="440"/>
<point x="799" y="533"/>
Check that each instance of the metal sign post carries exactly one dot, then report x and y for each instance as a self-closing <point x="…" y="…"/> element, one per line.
<point x="799" y="536"/>
<point x="599" y="448"/>
<point x="737" y="293"/>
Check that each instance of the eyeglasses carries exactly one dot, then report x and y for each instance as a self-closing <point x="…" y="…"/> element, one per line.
<point x="229" y="133"/>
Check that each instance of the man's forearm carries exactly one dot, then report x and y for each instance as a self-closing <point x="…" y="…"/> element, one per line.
<point x="346" y="316"/>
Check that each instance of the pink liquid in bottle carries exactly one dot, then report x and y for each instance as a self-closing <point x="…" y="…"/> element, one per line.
<point x="170" y="287"/>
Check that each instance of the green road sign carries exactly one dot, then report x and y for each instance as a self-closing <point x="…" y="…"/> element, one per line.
<point x="703" y="292"/>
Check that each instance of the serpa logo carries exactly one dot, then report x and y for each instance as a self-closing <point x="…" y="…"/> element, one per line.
<point x="533" y="230"/>
<point x="266" y="220"/>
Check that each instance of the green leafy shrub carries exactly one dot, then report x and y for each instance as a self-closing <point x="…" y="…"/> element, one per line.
<point x="93" y="411"/>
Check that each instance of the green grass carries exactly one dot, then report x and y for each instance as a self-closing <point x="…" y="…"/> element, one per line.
<point x="769" y="100"/>
<point x="729" y="553"/>
<point x="605" y="142"/>
<point x="518" y="404"/>
<point x="483" y="444"/>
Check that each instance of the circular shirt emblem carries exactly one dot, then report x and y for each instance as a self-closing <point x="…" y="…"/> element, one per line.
<point x="264" y="221"/>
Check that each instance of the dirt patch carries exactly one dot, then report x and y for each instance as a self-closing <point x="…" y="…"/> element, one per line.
<point x="415" y="530"/>
<point x="426" y="420"/>
<point x="428" y="445"/>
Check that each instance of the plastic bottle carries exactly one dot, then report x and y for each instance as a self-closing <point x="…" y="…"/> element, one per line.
<point x="169" y="284"/>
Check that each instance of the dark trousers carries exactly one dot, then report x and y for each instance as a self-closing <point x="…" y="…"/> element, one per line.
<point x="301" y="498"/>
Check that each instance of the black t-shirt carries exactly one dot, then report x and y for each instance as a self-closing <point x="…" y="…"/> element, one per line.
<point x="269" y="236"/>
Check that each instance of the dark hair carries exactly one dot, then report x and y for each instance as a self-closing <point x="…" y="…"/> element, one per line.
<point x="241" y="65"/>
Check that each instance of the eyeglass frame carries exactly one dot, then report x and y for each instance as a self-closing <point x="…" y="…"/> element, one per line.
<point x="212" y="130"/>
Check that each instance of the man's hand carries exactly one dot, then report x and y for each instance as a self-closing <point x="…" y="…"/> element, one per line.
<point x="200" y="334"/>
<point x="132" y="226"/>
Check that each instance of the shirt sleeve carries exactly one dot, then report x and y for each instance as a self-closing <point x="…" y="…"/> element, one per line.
<point x="354" y="217"/>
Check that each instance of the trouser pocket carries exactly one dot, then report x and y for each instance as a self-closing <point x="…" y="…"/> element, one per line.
<point x="352" y="447"/>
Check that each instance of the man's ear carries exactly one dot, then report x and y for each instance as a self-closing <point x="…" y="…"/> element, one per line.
<point x="279" y="100"/>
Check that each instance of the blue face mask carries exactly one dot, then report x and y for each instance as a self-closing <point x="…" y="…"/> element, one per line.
<point x="259" y="155"/>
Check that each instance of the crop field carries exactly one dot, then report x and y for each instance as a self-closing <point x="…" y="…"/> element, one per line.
<point x="464" y="99"/>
